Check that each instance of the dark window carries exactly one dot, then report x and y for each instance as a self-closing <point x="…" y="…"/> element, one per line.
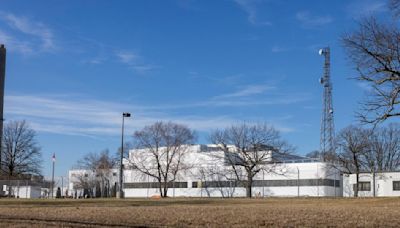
<point x="155" y="185"/>
<point x="363" y="186"/>
<point x="114" y="174"/>
<point x="86" y="175"/>
<point x="396" y="185"/>
<point x="267" y="183"/>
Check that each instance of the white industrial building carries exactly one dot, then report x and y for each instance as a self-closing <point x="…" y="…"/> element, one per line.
<point x="292" y="176"/>
<point x="385" y="183"/>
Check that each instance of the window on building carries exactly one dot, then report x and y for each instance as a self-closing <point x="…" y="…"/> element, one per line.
<point x="363" y="186"/>
<point x="86" y="175"/>
<point x="114" y="174"/>
<point x="396" y="185"/>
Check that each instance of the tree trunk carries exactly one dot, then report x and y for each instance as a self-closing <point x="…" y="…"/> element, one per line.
<point x="165" y="188"/>
<point x="11" y="173"/>
<point x="356" y="188"/>
<point x="249" y="185"/>
<point x="160" y="188"/>
<point x="373" y="184"/>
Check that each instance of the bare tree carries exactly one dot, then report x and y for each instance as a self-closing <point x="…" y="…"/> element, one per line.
<point x="101" y="165"/>
<point x="86" y="181"/>
<point x="162" y="149"/>
<point x="254" y="148"/>
<point x="384" y="152"/>
<point x="352" y="144"/>
<point x="375" y="51"/>
<point x="21" y="153"/>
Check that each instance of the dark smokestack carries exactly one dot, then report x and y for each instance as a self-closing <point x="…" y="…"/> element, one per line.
<point x="2" y="78"/>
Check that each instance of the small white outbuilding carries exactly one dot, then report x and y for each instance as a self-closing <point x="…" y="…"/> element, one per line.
<point x="24" y="192"/>
<point x="384" y="184"/>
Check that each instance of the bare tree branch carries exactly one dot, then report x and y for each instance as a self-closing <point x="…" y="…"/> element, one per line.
<point x="374" y="48"/>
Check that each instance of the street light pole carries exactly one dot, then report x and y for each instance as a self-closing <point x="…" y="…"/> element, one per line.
<point x="52" y="176"/>
<point x="121" y="192"/>
<point x="298" y="182"/>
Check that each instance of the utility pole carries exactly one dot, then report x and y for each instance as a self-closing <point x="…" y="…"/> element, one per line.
<point x="62" y="186"/>
<point x="327" y="125"/>
<point x="2" y="80"/>
<point x="298" y="182"/>
<point x="52" y="176"/>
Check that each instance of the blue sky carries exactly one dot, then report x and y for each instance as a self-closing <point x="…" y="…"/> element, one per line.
<point x="74" y="66"/>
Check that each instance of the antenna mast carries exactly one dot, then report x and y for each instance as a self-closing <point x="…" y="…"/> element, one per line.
<point x="327" y="125"/>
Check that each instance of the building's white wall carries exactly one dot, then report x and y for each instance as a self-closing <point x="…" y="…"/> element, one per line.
<point x="25" y="192"/>
<point x="383" y="184"/>
<point x="201" y="157"/>
<point x="35" y="192"/>
<point x="304" y="191"/>
<point x="215" y="160"/>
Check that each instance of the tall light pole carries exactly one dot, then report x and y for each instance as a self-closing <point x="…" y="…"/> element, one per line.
<point x="121" y="191"/>
<point x="298" y="182"/>
<point x="52" y="175"/>
<point x="2" y="79"/>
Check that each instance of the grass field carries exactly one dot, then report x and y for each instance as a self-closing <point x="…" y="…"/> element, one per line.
<point x="287" y="212"/>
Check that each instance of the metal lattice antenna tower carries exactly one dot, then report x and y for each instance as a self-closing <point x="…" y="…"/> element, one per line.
<point x="327" y="125"/>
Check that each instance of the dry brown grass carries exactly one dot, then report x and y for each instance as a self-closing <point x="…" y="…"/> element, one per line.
<point x="286" y="212"/>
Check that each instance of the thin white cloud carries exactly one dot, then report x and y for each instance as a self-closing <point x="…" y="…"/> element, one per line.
<point x="247" y="91"/>
<point x="275" y="100"/>
<point x="70" y="115"/>
<point x="14" y="44"/>
<point x="30" y="27"/>
<point x="278" y="49"/>
<point x="26" y="36"/>
<point x="127" y="57"/>
<point x="251" y="8"/>
<point x="95" y="61"/>
<point x="310" y="21"/>
<point x="187" y="4"/>
<point x="361" y="8"/>
<point x="134" y="61"/>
